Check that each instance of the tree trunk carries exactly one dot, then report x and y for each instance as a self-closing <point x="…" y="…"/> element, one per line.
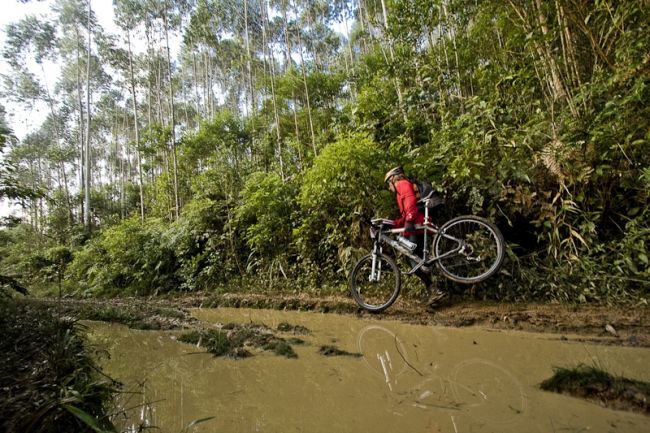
<point x="362" y="23"/>
<point x="452" y="36"/>
<point x="81" y="129"/>
<point x="304" y="81"/>
<point x="57" y="136"/>
<point x="88" y="124"/>
<point x="172" y="118"/>
<point x="136" y="126"/>
<point x="398" y="88"/>
<point x="273" y="96"/>
<point x="196" y="84"/>
<point x="349" y="47"/>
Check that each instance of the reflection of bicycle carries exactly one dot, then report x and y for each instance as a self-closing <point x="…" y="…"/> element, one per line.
<point x="477" y="387"/>
<point x="466" y="249"/>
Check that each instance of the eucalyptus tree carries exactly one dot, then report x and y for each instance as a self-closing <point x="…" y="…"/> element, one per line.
<point x="10" y="186"/>
<point x="269" y="63"/>
<point x="30" y="160"/>
<point x="77" y="23"/>
<point x="32" y="43"/>
<point x="167" y="17"/>
<point x="127" y="14"/>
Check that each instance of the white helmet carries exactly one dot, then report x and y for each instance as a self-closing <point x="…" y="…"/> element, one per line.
<point x="393" y="172"/>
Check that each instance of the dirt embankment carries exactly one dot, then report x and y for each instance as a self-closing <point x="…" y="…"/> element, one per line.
<point x="618" y="325"/>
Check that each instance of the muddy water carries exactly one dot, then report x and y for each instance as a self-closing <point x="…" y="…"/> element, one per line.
<point x="408" y="379"/>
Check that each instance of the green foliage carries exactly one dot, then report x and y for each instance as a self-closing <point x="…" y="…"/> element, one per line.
<point x="28" y="257"/>
<point x="266" y="215"/>
<point x="224" y="133"/>
<point x="346" y="177"/>
<point x="51" y="377"/>
<point x="11" y="187"/>
<point x="543" y="128"/>
<point x="201" y="244"/>
<point x="233" y="341"/>
<point x="129" y="258"/>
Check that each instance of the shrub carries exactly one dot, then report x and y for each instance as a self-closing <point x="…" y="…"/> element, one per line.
<point x="265" y="217"/>
<point x="347" y="177"/>
<point x="201" y="244"/>
<point x="130" y="257"/>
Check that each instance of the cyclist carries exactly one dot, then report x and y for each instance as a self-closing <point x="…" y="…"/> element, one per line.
<point x="402" y="187"/>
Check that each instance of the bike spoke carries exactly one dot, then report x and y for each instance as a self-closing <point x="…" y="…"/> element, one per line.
<point x="478" y="246"/>
<point x="375" y="287"/>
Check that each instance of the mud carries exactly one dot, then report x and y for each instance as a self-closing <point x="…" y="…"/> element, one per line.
<point x="407" y="377"/>
<point x="598" y="386"/>
<point x="601" y="324"/>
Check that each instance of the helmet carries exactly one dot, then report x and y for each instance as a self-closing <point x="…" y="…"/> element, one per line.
<point x="393" y="172"/>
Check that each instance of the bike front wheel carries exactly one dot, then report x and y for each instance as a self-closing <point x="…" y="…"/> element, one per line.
<point x="470" y="249"/>
<point x="375" y="282"/>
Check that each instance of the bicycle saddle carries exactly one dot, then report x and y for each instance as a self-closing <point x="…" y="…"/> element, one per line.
<point x="433" y="199"/>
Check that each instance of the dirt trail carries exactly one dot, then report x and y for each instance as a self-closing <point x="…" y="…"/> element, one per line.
<point x="619" y="325"/>
<point x="616" y="325"/>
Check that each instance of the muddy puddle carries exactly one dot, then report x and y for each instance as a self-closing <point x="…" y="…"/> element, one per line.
<point x="405" y="378"/>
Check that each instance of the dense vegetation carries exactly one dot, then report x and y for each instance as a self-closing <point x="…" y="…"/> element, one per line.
<point x="241" y="161"/>
<point x="49" y="378"/>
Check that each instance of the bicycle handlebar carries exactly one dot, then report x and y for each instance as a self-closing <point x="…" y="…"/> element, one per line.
<point x="377" y="223"/>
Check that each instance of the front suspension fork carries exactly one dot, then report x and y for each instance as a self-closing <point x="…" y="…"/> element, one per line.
<point x="375" y="274"/>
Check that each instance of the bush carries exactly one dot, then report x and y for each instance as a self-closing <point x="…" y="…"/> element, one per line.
<point x="265" y="217"/>
<point x="347" y="177"/>
<point x="50" y="382"/>
<point x="201" y="244"/>
<point x="129" y="258"/>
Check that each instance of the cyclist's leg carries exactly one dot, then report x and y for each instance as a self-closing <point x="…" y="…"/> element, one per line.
<point x="433" y="295"/>
<point x="423" y="274"/>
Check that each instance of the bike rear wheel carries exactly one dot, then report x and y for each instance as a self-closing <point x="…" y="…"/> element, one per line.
<point x="375" y="288"/>
<point x="470" y="248"/>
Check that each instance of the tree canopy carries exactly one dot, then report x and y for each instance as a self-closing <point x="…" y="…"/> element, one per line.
<point x="246" y="155"/>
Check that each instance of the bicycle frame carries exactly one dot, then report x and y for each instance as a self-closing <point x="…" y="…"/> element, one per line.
<point x="382" y="236"/>
<point x="466" y="249"/>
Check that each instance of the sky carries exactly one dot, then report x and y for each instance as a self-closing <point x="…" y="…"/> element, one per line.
<point x="22" y="121"/>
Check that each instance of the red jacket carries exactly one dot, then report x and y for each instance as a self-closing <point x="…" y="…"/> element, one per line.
<point x="407" y="202"/>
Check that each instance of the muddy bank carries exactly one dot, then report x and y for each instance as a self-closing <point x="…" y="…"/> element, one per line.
<point x="601" y="387"/>
<point x="618" y="325"/>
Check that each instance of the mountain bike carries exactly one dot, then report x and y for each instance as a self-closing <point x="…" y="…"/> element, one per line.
<point x="467" y="249"/>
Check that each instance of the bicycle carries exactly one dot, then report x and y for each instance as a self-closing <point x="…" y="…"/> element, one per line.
<point x="467" y="249"/>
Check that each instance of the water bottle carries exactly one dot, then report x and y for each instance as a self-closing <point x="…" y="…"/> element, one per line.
<point x="406" y="243"/>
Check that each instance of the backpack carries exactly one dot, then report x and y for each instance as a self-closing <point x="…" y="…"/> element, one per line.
<point x="423" y="188"/>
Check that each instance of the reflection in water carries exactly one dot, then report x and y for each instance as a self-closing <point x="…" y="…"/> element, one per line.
<point x="477" y="387"/>
<point x="410" y="379"/>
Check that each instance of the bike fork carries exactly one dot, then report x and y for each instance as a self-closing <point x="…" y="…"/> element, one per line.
<point x="376" y="265"/>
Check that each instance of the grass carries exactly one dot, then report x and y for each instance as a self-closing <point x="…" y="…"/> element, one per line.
<point x="335" y="351"/>
<point x="135" y="314"/>
<point x="48" y="376"/>
<point x="597" y="385"/>
<point x="234" y="340"/>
